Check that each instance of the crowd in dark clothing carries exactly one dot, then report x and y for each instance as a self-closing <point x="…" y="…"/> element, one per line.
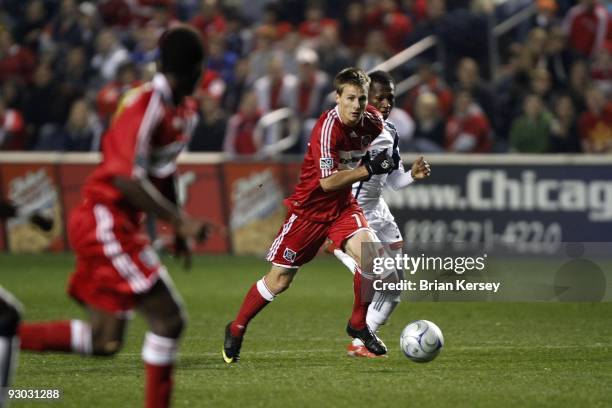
<point x="64" y="66"/>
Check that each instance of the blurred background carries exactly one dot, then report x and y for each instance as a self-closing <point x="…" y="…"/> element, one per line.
<point x="524" y="85"/>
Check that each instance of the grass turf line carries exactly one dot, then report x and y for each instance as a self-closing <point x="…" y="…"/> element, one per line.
<point x="527" y="354"/>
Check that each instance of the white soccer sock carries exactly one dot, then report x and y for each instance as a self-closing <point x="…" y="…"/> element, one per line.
<point x="158" y="350"/>
<point x="383" y="304"/>
<point x="80" y="337"/>
<point x="263" y="290"/>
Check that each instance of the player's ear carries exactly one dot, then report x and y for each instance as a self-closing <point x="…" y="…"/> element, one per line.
<point x="338" y="96"/>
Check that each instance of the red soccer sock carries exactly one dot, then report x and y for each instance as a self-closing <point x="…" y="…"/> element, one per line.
<point x="159" y="354"/>
<point x="158" y="386"/>
<point x="360" y="306"/>
<point x="48" y="336"/>
<point x="256" y="299"/>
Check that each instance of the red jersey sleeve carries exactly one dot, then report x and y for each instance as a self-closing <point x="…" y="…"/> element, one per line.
<point x="323" y="145"/>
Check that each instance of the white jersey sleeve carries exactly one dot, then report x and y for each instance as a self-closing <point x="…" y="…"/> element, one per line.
<point x="369" y="192"/>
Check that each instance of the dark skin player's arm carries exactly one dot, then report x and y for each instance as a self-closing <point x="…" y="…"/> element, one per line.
<point x="143" y="195"/>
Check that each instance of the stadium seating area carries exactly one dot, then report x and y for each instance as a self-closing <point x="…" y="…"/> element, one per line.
<point x="65" y="64"/>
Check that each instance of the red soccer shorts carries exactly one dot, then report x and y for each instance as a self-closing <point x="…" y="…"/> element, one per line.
<point x="114" y="261"/>
<point x="299" y="239"/>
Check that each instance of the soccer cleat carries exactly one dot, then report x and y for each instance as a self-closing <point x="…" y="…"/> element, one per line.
<point x="360" y="351"/>
<point x="369" y="339"/>
<point x="231" y="346"/>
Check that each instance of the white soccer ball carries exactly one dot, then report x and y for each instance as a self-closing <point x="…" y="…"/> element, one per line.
<point x="421" y="341"/>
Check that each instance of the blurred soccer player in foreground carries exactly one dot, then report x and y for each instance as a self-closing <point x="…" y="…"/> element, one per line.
<point x="10" y="309"/>
<point x="369" y="197"/>
<point x="116" y="268"/>
<point x="322" y="206"/>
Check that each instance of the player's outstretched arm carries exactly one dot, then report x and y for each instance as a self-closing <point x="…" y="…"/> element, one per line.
<point x="400" y="179"/>
<point x="343" y="179"/>
<point x="381" y="164"/>
<point x="143" y="195"/>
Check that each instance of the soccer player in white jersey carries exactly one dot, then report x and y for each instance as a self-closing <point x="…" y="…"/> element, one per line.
<point x="369" y="198"/>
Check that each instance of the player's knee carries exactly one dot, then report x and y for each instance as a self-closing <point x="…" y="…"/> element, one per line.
<point x="171" y="326"/>
<point x="280" y="283"/>
<point x="106" y="347"/>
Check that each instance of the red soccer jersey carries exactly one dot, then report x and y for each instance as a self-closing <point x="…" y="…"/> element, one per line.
<point x="144" y="139"/>
<point x="333" y="146"/>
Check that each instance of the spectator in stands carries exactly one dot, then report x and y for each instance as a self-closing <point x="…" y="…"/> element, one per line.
<point x="535" y="47"/>
<point x="546" y="14"/>
<point x="541" y="85"/>
<point x="315" y="20"/>
<point x="12" y="128"/>
<point x="564" y="129"/>
<point x="146" y="50"/>
<point x="595" y="125"/>
<point x="579" y="81"/>
<point x="429" y="81"/>
<point x="587" y="24"/>
<point x="601" y="70"/>
<point x="264" y="51"/>
<point x="313" y="85"/>
<point x="73" y="71"/>
<point x="30" y="31"/>
<point x="351" y="27"/>
<point x="210" y="131"/>
<point x="220" y="59"/>
<point x="15" y="61"/>
<point x="110" y="55"/>
<point x="240" y="132"/>
<point x="238" y="39"/>
<point x="558" y="57"/>
<point x="468" y="129"/>
<point x="236" y="88"/>
<point x="109" y="96"/>
<point x="429" y="132"/>
<point x="395" y="25"/>
<point x="271" y="18"/>
<point x="333" y="55"/>
<point x="42" y="103"/>
<point x="65" y="28"/>
<point x="209" y="20"/>
<point x="468" y="79"/>
<point x="375" y="53"/>
<point x="80" y="133"/>
<point x="530" y="133"/>
<point x="277" y="89"/>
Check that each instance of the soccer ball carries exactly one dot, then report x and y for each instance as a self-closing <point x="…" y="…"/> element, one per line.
<point x="421" y="341"/>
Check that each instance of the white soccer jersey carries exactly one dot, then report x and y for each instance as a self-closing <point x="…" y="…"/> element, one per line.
<point x="369" y="193"/>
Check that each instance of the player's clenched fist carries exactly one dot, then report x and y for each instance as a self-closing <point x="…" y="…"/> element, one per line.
<point x="420" y="169"/>
<point x="381" y="164"/>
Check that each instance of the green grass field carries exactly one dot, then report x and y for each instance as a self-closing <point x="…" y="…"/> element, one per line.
<point x="496" y="354"/>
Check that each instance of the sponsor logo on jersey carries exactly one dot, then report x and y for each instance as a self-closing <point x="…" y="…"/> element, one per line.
<point x="289" y="255"/>
<point x="326" y="163"/>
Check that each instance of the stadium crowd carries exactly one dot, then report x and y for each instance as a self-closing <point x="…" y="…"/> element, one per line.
<point x="64" y="66"/>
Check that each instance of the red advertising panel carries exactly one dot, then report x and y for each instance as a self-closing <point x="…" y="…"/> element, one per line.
<point x="200" y="190"/>
<point x="34" y="188"/>
<point x="255" y="193"/>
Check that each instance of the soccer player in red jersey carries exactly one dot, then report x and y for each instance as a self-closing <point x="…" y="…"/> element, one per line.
<point x="116" y="268"/>
<point x="322" y="206"/>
